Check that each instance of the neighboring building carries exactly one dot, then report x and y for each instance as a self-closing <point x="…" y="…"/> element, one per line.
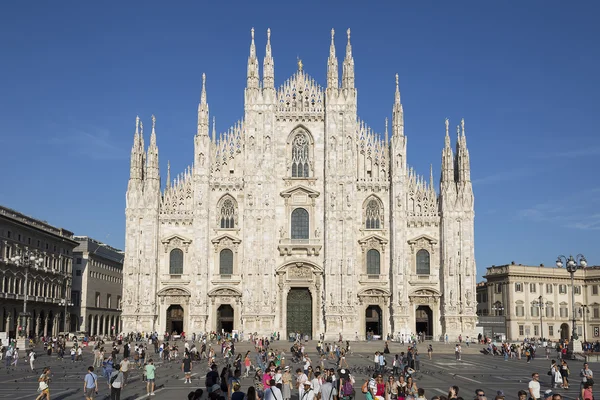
<point x="513" y="293"/>
<point x="98" y="286"/>
<point x="47" y="276"/>
<point x="300" y="218"/>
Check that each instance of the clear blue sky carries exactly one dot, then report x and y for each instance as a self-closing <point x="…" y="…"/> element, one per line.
<point x="523" y="75"/>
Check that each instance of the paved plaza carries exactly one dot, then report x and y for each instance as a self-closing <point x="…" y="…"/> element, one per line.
<point x="474" y="371"/>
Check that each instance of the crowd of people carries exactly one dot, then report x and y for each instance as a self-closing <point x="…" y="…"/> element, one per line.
<point x="324" y="374"/>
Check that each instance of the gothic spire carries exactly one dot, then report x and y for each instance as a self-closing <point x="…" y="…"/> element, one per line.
<point x="203" y="111"/>
<point x="268" y="65"/>
<point x="252" y="77"/>
<point x="463" y="166"/>
<point x="135" y="168"/>
<point x="168" y="184"/>
<point x="447" y="161"/>
<point x="332" y="65"/>
<point x="214" y="130"/>
<point x="152" y="158"/>
<point x="348" y="68"/>
<point x="386" y="131"/>
<point x="397" y="113"/>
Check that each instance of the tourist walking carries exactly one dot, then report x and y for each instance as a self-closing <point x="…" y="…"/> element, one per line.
<point x="90" y="384"/>
<point x="32" y="358"/>
<point x="150" y="369"/>
<point x="43" y="385"/>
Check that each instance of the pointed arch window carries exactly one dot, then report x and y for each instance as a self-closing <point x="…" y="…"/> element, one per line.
<point x="227" y="213"/>
<point x="226" y="262"/>
<point x="373" y="262"/>
<point x="423" y="262"/>
<point x="373" y="215"/>
<point x="300" y="224"/>
<point x="176" y="262"/>
<point x="300" y="159"/>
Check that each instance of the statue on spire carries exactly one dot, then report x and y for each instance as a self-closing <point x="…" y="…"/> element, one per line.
<point x="300" y="65"/>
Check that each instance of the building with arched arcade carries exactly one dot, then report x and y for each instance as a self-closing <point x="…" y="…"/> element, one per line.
<point x="36" y="262"/>
<point x="300" y="218"/>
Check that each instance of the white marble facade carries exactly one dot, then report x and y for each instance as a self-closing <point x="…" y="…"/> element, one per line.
<point x="300" y="198"/>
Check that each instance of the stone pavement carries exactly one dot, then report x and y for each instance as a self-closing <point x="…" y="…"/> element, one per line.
<point x="436" y="376"/>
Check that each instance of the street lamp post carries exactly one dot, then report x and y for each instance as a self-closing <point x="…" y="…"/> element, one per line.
<point x="540" y="304"/>
<point x="26" y="260"/>
<point x="64" y="302"/>
<point x="572" y="265"/>
<point x="498" y="311"/>
<point x="584" y="310"/>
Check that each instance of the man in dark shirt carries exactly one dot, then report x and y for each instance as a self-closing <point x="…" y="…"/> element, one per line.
<point x="186" y="367"/>
<point x="212" y="378"/>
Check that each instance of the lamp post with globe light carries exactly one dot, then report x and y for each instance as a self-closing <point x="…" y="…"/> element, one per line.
<point x="25" y="260"/>
<point x="540" y="304"/>
<point x="572" y="265"/>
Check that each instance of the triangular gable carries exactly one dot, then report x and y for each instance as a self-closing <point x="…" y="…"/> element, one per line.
<point x="226" y="236"/>
<point x="374" y="236"/>
<point x="300" y="188"/>
<point x="426" y="237"/>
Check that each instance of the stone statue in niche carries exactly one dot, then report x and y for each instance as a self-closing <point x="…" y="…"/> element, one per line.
<point x="317" y="233"/>
<point x="201" y="157"/>
<point x="468" y="297"/>
<point x="451" y="298"/>
<point x="281" y="232"/>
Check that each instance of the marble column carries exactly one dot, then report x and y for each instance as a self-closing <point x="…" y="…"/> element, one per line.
<point x="46" y="321"/>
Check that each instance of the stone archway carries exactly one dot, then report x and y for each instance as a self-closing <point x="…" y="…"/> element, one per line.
<point x="224" y="300"/>
<point x="303" y="280"/>
<point x="425" y="309"/>
<point x="168" y="297"/>
<point x="375" y="314"/>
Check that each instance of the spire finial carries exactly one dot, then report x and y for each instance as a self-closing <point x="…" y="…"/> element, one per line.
<point x="252" y="33"/>
<point x="300" y="65"/>
<point x="447" y="126"/>
<point x="141" y="128"/>
<point x="397" y="93"/>
<point x="153" y="124"/>
<point x="332" y="34"/>
<point x="458" y="130"/>
<point x="214" y="131"/>
<point x="203" y="95"/>
<point x="168" y="184"/>
<point x="137" y="125"/>
<point x="348" y="46"/>
<point x="386" y="130"/>
<point x="268" y="34"/>
<point x="462" y="125"/>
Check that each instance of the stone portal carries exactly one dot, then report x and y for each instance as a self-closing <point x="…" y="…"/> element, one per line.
<point x="299" y="312"/>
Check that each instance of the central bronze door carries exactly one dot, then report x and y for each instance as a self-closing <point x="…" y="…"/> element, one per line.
<point x="299" y="312"/>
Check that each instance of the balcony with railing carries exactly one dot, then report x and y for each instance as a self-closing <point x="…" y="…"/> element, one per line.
<point x="308" y="247"/>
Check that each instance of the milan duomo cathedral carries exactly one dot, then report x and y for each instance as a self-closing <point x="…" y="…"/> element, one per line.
<point x="300" y="218"/>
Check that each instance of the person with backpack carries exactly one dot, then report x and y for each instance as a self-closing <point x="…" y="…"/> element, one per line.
<point x="116" y="383"/>
<point x="328" y="390"/>
<point x="346" y="388"/>
<point x="90" y="384"/>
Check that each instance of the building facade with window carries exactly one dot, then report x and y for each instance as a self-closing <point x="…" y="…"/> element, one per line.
<point x="300" y="218"/>
<point x="36" y="267"/>
<point x="536" y="301"/>
<point x="97" y="286"/>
